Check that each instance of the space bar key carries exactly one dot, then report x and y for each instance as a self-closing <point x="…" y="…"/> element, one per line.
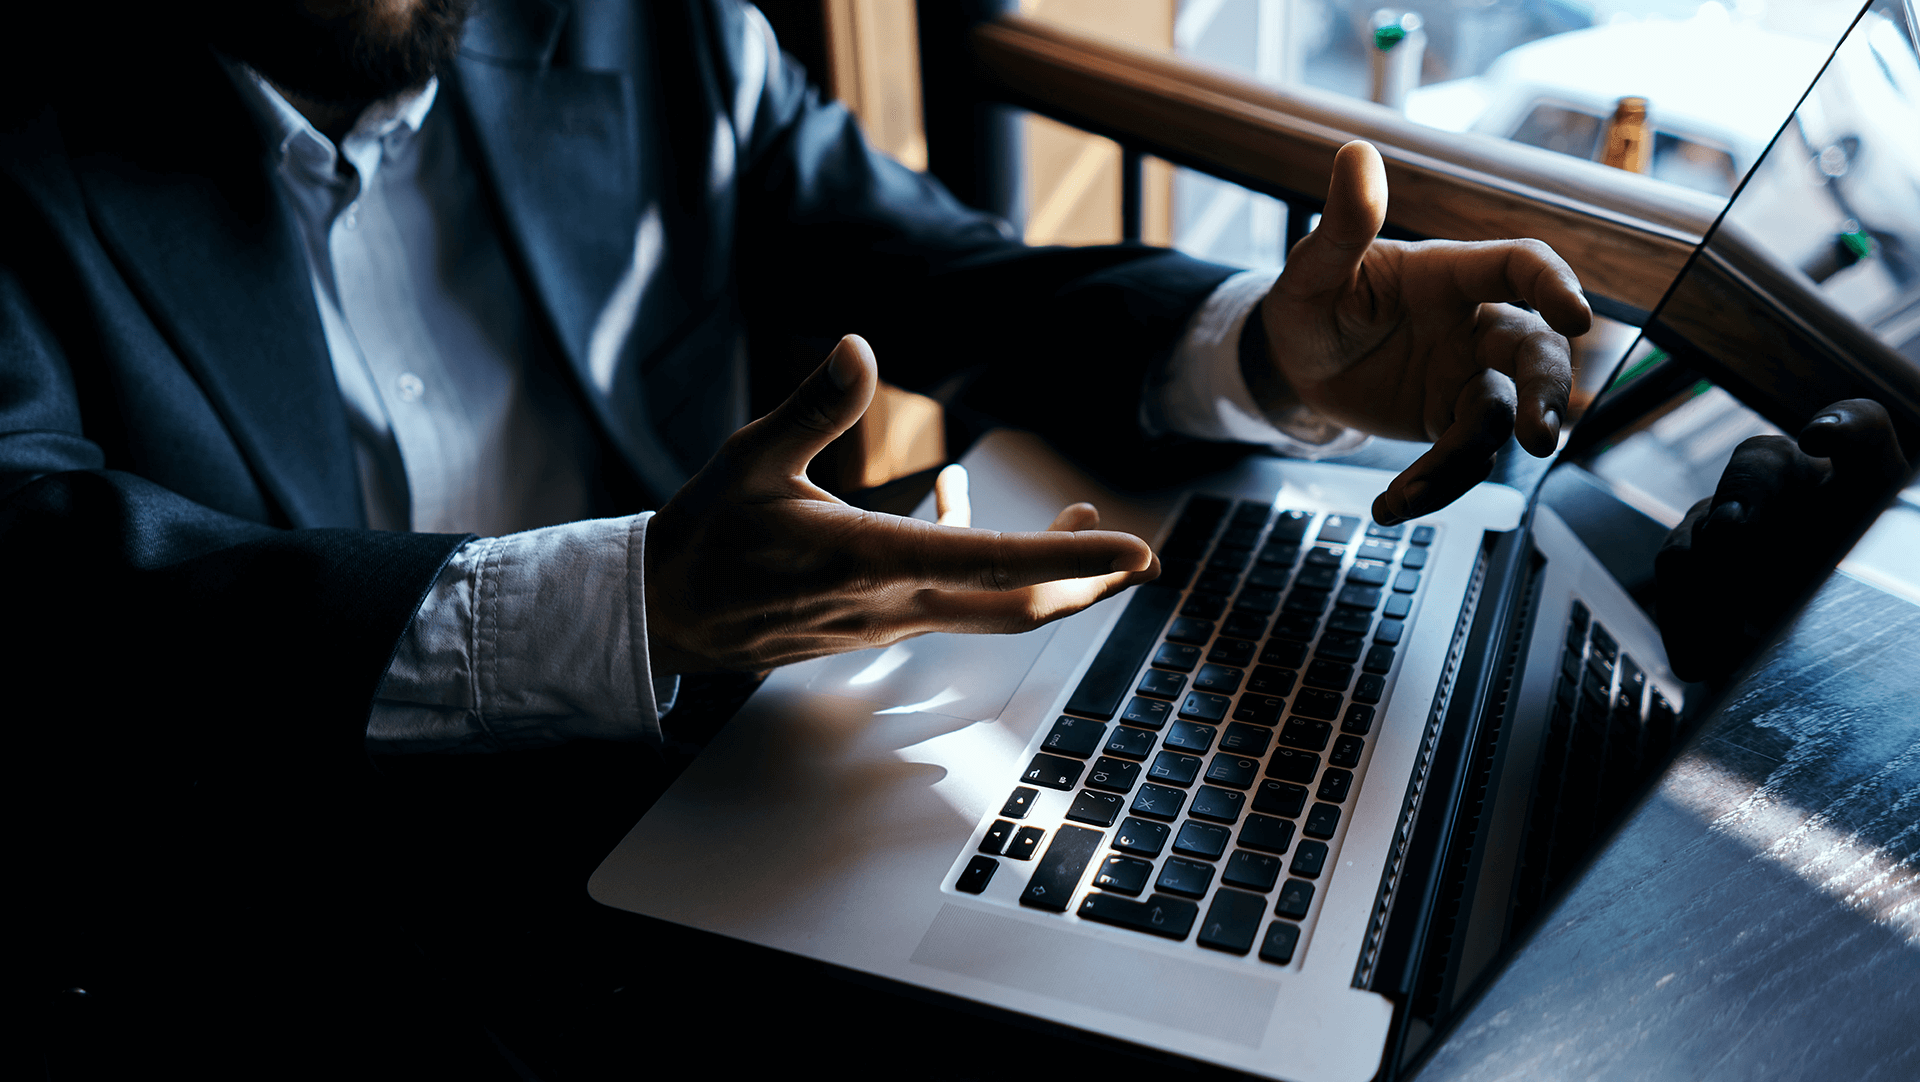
<point x="1111" y="675"/>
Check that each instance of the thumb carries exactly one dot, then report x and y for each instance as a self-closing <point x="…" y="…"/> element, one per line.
<point x="1328" y="257"/>
<point x="825" y="405"/>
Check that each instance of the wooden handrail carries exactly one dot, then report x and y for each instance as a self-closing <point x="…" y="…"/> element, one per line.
<point x="1627" y="236"/>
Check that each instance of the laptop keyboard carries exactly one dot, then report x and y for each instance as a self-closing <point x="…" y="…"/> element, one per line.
<point x="1206" y="760"/>
<point x="1609" y="732"/>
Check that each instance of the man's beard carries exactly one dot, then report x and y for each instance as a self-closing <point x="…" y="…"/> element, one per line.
<point x="349" y="53"/>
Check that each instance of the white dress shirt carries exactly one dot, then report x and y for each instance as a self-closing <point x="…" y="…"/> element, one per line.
<point x="536" y="633"/>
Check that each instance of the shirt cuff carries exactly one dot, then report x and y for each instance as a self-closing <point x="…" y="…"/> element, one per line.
<point x="1201" y="393"/>
<point x="532" y="639"/>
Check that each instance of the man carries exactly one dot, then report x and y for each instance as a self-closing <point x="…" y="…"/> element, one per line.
<point x="291" y="270"/>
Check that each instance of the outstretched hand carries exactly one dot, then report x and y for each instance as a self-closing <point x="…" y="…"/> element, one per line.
<point x="751" y="565"/>
<point x="1416" y="342"/>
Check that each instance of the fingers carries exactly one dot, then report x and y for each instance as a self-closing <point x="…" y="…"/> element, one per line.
<point x="1460" y="459"/>
<point x="1014" y="611"/>
<point x="1520" y="270"/>
<point x="951" y="501"/>
<point x="826" y="404"/>
<point x="1540" y="361"/>
<point x="1329" y="257"/>
<point x="1858" y="436"/>
<point x="926" y="556"/>
<point x="1079" y="516"/>
<point x="1762" y="471"/>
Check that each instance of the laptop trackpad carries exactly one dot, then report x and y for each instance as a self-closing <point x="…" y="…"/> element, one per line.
<point x="1101" y="974"/>
<point x="970" y="677"/>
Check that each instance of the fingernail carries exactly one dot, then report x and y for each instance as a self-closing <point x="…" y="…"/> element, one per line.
<point x="844" y="366"/>
<point x="1731" y="513"/>
<point x="1552" y="419"/>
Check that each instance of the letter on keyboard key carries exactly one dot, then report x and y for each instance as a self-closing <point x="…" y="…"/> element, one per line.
<point x="1158" y="915"/>
<point x="1059" y="870"/>
<point x="1232" y="921"/>
<point x="1141" y="836"/>
<point x="1113" y="775"/>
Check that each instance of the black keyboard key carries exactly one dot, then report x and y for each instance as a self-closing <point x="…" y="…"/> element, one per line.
<point x="1280" y="555"/>
<point x="1188" y="736"/>
<point x="1370" y="689"/>
<point x="1272" y="680"/>
<point x="1179" y="656"/>
<point x="995" y="842"/>
<point x="1422" y="535"/>
<point x="1334" y="785"/>
<point x="1189" y="630"/>
<point x="1290" y="765"/>
<point x="1059" y="871"/>
<point x="1243" y="739"/>
<point x="1374" y="529"/>
<point x="1175" y="574"/>
<point x="1309" y="733"/>
<point x="1323" y="557"/>
<point x="1100" y="809"/>
<point x="1276" y="797"/>
<point x="1161" y="684"/>
<point x="1053" y="772"/>
<point x="1363" y="598"/>
<point x="1258" y="601"/>
<point x="1169" y="917"/>
<point x="977" y="874"/>
<point x="1123" y="874"/>
<point x="1113" y="775"/>
<point x="1202" y="840"/>
<point x="1359" y="719"/>
<point x="1188" y="877"/>
<point x="1314" y="703"/>
<point x="1077" y="737"/>
<point x="1142" y="836"/>
<point x="1175" y="768"/>
<point x="1129" y="743"/>
<point x="1308" y="859"/>
<point x="1299" y="629"/>
<point x="1269" y="576"/>
<point x="1268" y="833"/>
<point x="1379" y="659"/>
<point x="1220" y="805"/>
<point x="1317" y="577"/>
<point x="1340" y="647"/>
<point x="1105" y="684"/>
<point x="1389" y="632"/>
<point x="1259" y="709"/>
<point x="1234" y="771"/>
<point x="1242" y="625"/>
<point x="1291" y="525"/>
<point x="1307" y="602"/>
<point x="1321" y="822"/>
<point x="1026" y="842"/>
<point x="1204" y="606"/>
<point x="1230" y="559"/>
<point x="1205" y="706"/>
<point x="1280" y="942"/>
<point x="1415" y="559"/>
<point x="1147" y="713"/>
<point x="1233" y="920"/>
<point x="1331" y="675"/>
<point x="1158" y="802"/>
<point x="1251" y="513"/>
<point x="1019" y="803"/>
<point x="1253" y="871"/>
<point x="1368" y="575"/>
<point x="1350" y="621"/>
<point x="1406" y="582"/>
<point x="1338" y="529"/>
<point x="1215" y="580"/>
<point x="1603" y="643"/>
<point x="1237" y="653"/>
<point x="1346" y="752"/>
<point x="1398" y="606"/>
<point x="1221" y="679"/>
<point x="1295" y="898"/>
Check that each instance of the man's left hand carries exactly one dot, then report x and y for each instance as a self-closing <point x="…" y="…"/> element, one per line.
<point x="1416" y="342"/>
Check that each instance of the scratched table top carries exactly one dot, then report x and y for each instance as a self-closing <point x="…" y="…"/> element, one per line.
<point x="1758" y="916"/>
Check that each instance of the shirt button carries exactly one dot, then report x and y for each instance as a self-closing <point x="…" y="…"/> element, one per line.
<point x="410" y="387"/>
<point x="351" y="219"/>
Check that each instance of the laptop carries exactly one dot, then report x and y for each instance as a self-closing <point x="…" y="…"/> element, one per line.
<point x="1280" y="811"/>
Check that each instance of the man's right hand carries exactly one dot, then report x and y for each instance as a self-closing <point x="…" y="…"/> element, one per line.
<point x="751" y="565"/>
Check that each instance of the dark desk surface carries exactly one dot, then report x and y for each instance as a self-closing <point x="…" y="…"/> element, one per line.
<point x="1758" y="917"/>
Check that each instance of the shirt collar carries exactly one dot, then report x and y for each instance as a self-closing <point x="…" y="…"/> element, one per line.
<point x="291" y="136"/>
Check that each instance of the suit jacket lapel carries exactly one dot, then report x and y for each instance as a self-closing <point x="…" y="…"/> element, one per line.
<point x="559" y="145"/>
<point x="193" y="221"/>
